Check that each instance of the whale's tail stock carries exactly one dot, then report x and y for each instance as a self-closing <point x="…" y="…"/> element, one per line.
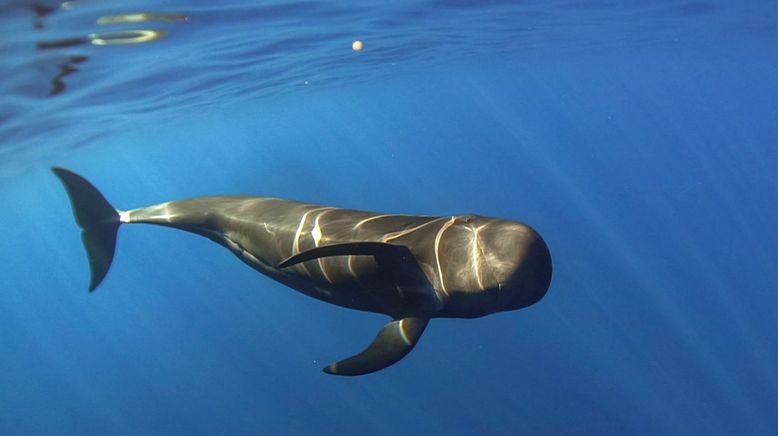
<point x="99" y="222"/>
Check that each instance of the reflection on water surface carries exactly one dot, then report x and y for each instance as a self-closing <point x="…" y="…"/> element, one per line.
<point x="122" y="37"/>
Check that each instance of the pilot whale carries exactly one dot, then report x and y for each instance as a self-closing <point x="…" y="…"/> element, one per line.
<point x="411" y="268"/>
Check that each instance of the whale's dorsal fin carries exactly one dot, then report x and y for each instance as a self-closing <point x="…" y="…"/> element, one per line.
<point x="393" y="342"/>
<point x="397" y="259"/>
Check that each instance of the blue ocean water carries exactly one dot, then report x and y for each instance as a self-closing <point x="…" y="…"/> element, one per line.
<point x="639" y="138"/>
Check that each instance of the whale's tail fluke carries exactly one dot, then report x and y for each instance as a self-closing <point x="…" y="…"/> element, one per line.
<point x="99" y="222"/>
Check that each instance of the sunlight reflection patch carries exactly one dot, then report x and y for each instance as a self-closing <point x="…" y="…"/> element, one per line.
<point x="125" y="37"/>
<point x="140" y="18"/>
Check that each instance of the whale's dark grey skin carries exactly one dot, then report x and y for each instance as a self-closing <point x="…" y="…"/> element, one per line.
<point x="411" y="268"/>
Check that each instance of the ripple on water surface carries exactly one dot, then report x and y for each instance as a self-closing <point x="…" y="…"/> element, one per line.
<point x="90" y="64"/>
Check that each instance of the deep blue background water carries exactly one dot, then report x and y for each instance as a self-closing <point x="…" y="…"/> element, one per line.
<point x="640" y="141"/>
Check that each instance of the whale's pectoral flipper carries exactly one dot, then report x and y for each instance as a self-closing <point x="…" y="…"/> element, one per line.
<point x="98" y="220"/>
<point x="377" y="249"/>
<point x="398" y="337"/>
<point x="393" y="342"/>
<point x="397" y="258"/>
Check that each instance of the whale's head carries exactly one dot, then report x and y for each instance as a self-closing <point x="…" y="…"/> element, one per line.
<point x="520" y="262"/>
<point x="492" y="265"/>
